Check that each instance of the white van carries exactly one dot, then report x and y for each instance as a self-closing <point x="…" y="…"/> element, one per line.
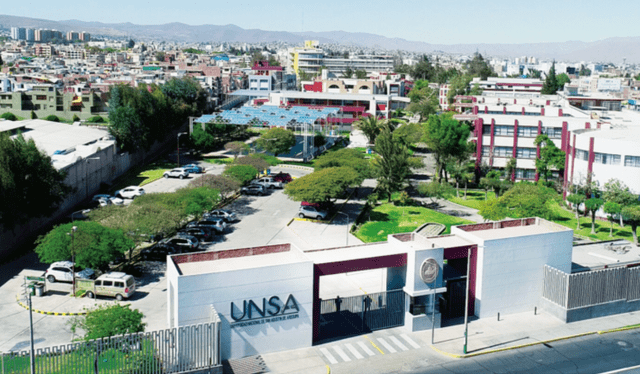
<point x="114" y="284"/>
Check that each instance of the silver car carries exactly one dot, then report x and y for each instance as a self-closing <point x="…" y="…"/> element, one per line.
<point x="225" y="214"/>
<point x="307" y="211"/>
<point x="176" y="173"/>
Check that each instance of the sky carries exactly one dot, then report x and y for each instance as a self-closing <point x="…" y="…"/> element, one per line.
<point x="435" y="22"/>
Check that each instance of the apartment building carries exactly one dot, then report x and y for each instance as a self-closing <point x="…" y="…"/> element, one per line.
<point x="46" y="99"/>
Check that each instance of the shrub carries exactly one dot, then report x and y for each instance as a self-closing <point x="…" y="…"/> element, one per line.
<point x="242" y="173"/>
<point x="52" y="118"/>
<point x="95" y="119"/>
<point x="33" y="115"/>
<point x="9" y="116"/>
<point x="271" y="160"/>
<point x="75" y="118"/>
<point x="256" y="162"/>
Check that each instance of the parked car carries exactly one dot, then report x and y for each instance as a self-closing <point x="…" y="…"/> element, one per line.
<point x="104" y="199"/>
<point x="114" y="284"/>
<point x="159" y="251"/>
<point x="312" y="212"/>
<point x="61" y="271"/>
<point x="212" y="223"/>
<point x="193" y="168"/>
<point x="225" y="214"/>
<point x="185" y="242"/>
<point x="176" y="173"/>
<point x="282" y="177"/>
<point x="201" y="233"/>
<point x="267" y="182"/>
<point x="253" y="189"/>
<point x="130" y="192"/>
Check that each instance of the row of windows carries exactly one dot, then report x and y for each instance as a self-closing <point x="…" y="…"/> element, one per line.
<point x="524" y="131"/>
<point x="524" y="153"/>
<point x="608" y="159"/>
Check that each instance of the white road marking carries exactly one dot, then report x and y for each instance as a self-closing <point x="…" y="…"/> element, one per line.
<point x="410" y="341"/>
<point x="366" y="349"/>
<point x="329" y="356"/>
<point x="276" y="212"/>
<point x="387" y="345"/>
<point x="341" y="353"/>
<point x="354" y="351"/>
<point x="398" y="343"/>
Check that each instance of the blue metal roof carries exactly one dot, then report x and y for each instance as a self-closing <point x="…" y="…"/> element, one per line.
<point x="268" y="115"/>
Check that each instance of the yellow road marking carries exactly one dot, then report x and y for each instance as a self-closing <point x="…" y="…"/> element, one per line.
<point x="374" y="344"/>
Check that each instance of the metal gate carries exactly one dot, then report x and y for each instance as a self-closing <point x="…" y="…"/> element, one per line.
<point x="360" y="314"/>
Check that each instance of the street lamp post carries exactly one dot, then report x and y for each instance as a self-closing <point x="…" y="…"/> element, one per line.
<point x="180" y="133"/>
<point x="348" y="221"/>
<point x="73" y="260"/>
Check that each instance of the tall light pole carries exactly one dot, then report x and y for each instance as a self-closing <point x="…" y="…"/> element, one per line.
<point x="180" y="133"/>
<point x="348" y="221"/>
<point x="32" y="359"/>
<point x="73" y="260"/>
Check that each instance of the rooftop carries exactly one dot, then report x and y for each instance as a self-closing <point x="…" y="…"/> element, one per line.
<point x="329" y="255"/>
<point x="511" y="228"/>
<point x="601" y="255"/>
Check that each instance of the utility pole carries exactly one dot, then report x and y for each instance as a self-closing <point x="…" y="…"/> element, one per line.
<point x="32" y="359"/>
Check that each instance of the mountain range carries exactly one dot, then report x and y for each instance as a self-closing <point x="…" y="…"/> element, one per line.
<point x="606" y="50"/>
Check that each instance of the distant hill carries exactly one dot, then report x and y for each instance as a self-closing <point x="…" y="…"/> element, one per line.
<point x="607" y="50"/>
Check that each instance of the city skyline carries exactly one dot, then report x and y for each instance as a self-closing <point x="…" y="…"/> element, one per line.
<point x="498" y="22"/>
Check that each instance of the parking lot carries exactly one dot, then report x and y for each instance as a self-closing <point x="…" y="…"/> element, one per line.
<point x="263" y="220"/>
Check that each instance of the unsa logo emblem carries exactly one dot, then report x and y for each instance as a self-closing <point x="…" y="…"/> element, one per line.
<point x="429" y="270"/>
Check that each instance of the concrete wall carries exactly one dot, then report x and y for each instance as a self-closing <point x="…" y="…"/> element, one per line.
<point x="196" y="294"/>
<point x="594" y="311"/>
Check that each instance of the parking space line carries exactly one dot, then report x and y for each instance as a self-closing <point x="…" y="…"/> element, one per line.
<point x="410" y="341"/>
<point x="341" y="353"/>
<point x="329" y="356"/>
<point x="387" y="345"/>
<point x="398" y="343"/>
<point x="354" y="351"/>
<point x="366" y="349"/>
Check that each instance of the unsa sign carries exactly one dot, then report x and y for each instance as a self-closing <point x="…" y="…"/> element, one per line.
<point x="270" y="307"/>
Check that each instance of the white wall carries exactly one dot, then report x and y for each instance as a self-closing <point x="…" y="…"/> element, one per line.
<point x="196" y="294"/>
<point x="509" y="275"/>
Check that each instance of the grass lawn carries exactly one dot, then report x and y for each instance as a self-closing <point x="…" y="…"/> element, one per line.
<point x="388" y="219"/>
<point x="220" y="161"/>
<point x="563" y="217"/>
<point x="143" y="175"/>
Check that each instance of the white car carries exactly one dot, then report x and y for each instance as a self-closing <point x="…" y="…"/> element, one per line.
<point x="104" y="199"/>
<point x="307" y="211"/>
<point x="61" y="272"/>
<point x="226" y="215"/>
<point x="267" y="182"/>
<point x="176" y="173"/>
<point x="130" y="192"/>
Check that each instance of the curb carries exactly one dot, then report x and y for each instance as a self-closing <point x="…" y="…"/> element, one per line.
<point x="308" y="168"/>
<point x="468" y="355"/>
<point x="48" y="313"/>
<point x="307" y="220"/>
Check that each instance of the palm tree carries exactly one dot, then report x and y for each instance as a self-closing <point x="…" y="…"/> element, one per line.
<point x="370" y="127"/>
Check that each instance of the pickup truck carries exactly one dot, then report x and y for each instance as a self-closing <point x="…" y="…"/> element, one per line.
<point x="267" y="182"/>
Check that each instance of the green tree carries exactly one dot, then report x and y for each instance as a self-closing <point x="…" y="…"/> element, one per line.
<point x="370" y="127"/>
<point x="222" y="183"/>
<point x="237" y="148"/>
<point x="616" y="191"/>
<point x="30" y="186"/>
<point x="319" y="140"/>
<point x="458" y="85"/>
<point x="434" y="190"/>
<point x="551" y="157"/>
<point x="323" y="185"/>
<point x="576" y="199"/>
<point x="510" y="169"/>
<point x="9" y="116"/>
<point x="361" y="74"/>
<point x="593" y="205"/>
<point x="632" y="215"/>
<point x="52" y="118"/>
<point x="92" y="245"/>
<point x="526" y="199"/>
<point x="160" y="56"/>
<point x="424" y="100"/>
<point x="75" y="118"/>
<point x="242" y="173"/>
<point x="561" y="80"/>
<point x="256" y="162"/>
<point x="584" y="72"/>
<point x="33" y="115"/>
<point x="349" y="157"/>
<point x="493" y="181"/>
<point x="202" y="139"/>
<point x="409" y="134"/>
<point x="131" y="43"/>
<point x="612" y="209"/>
<point x="447" y="138"/>
<point x="423" y="69"/>
<point x="550" y="85"/>
<point x="348" y="72"/>
<point x="493" y="210"/>
<point x="478" y="67"/>
<point x="109" y="320"/>
<point x="392" y="165"/>
<point x="277" y="141"/>
<point x="475" y="90"/>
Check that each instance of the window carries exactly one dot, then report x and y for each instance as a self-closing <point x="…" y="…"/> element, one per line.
<point x="503" y="131"/>
<point x="107" y="283"/>
<point x="525" y="174"/>
<point x="633" y="161"/>
<point x="41" y="97"/>
<point x="526" y="153"/>
<point x="527" y="132"/>
<point x="486" y="151"/>
<point x="486" y="130"/>
<point x="553" y="132"/>
<point x="119" y="284"/>
<point x="503" y="151"/>
<point x="582" y="155"/>
<point x="607" y="159"/>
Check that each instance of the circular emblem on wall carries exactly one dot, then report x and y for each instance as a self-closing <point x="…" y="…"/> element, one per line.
<point x="429" y="270"/>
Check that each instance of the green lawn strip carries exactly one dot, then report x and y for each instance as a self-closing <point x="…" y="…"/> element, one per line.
<point x="388" y="219"/>
<point x="219" y="161"/>
<point x="474" y="199"/>
<point x="140" y="176"/>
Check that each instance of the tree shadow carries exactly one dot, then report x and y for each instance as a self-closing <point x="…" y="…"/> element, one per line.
<point x="379" y="216"/>
<point x="242" y="206"/>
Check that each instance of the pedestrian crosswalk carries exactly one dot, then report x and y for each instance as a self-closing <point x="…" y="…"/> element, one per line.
<point x="367" y="347"/>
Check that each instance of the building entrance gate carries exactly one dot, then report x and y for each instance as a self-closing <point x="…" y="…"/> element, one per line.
<point x="360" y="314"/>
